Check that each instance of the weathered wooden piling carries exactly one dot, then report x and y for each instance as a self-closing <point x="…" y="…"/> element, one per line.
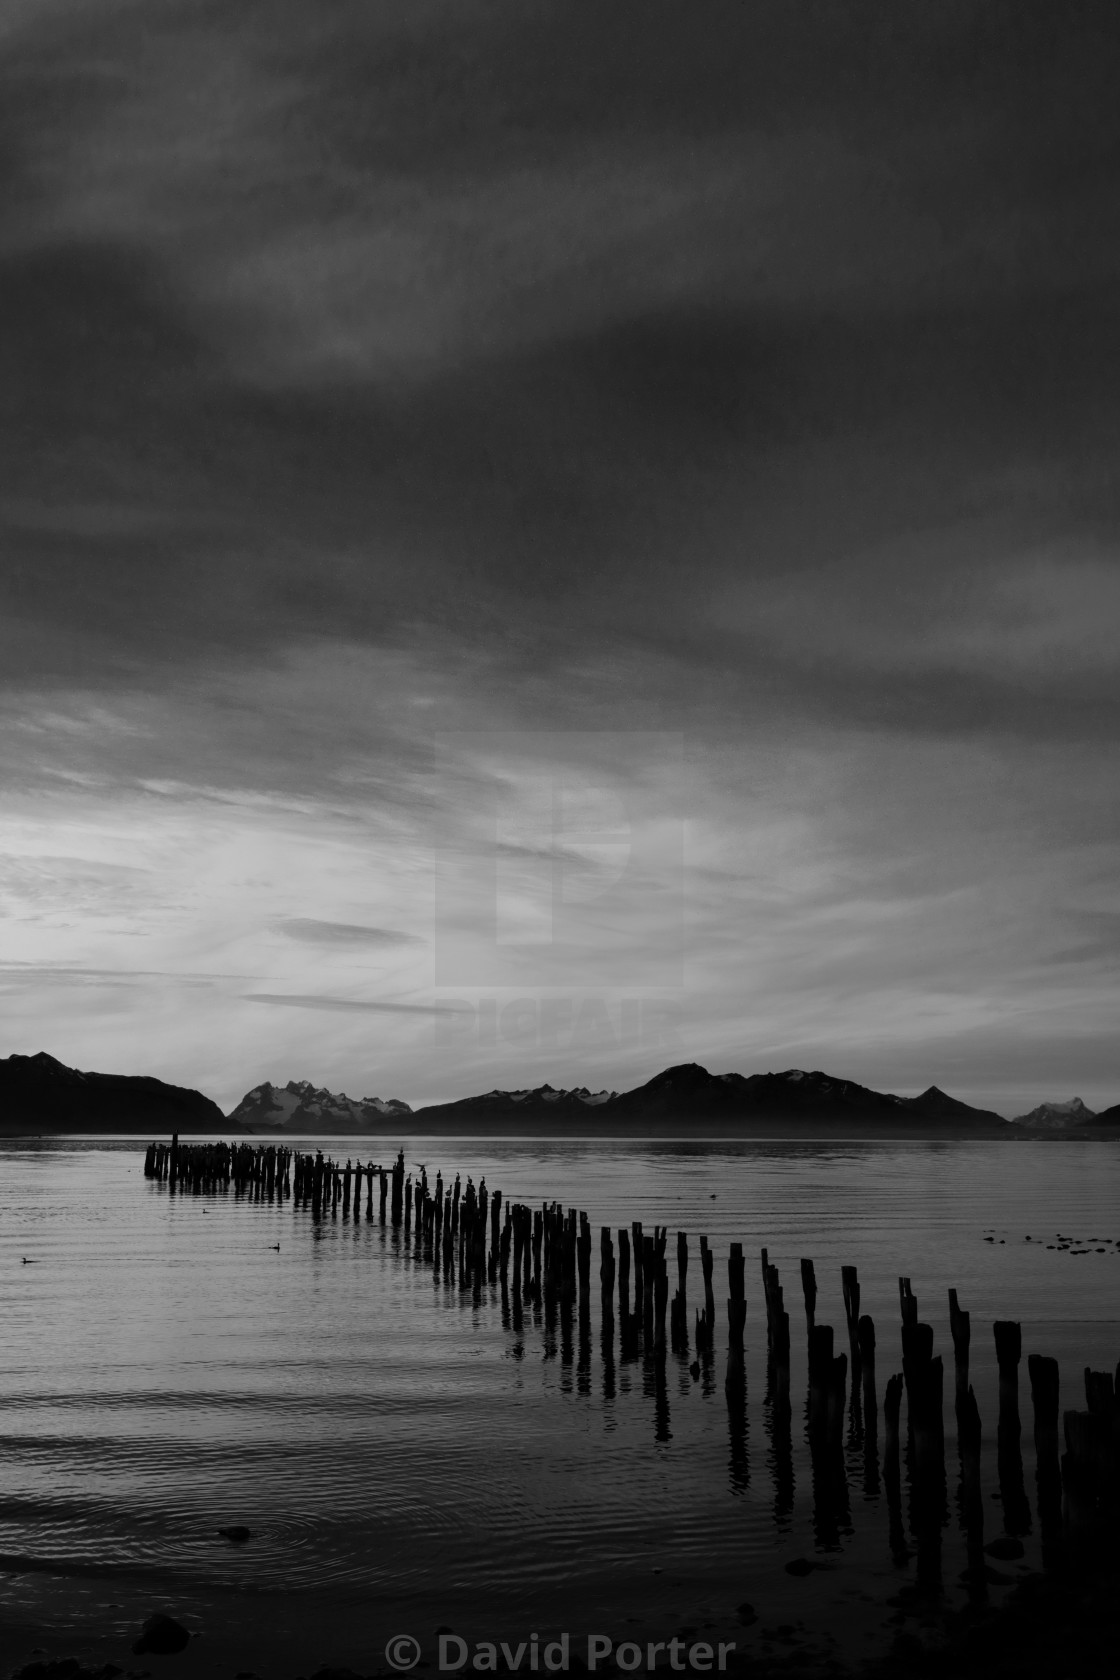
<point x="607" y="1268"/>
<point x="971" y="1498"/>
<point x="648" y="1275"/>
<point x="865" y="1333"/>
<point x="809" y="1290"/>
<point x="849" y="1280"/>
<point x="584" y="1257"/>
<point x="1044" y="1380"/>
<point x="907" y="1301"/>
<point x="1084" y="1477"/>
<point x="960" y="1326"/>
<point x="660" y="1300"/>
<point x="707" y="1261"/>
<point x="1009" y="1455"/>
<point x="736" y="1304"/>
<point x="639" y="1262"/>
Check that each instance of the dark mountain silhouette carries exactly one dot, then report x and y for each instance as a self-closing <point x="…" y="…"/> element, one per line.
<point x="935" y="1104"/>
<point x="1106" y="1117"/>
<point x="39" y="1094"/>
<point x="689" y="1098"/>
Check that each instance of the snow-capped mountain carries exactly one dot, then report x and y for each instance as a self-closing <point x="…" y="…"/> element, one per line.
<point x="545" y="1093"/>
<point x="1057" y="1116"/>
<point x="300" y="1106"/>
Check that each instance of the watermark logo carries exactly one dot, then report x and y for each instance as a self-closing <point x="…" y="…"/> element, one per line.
<point x="402" y="1652"/>
<point x="554" y="1656"/>
<point x="558" y="856"/>
<point x="550" y="1023"/>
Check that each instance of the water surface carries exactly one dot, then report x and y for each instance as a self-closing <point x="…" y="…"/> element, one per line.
<point x="408" y="1457"/>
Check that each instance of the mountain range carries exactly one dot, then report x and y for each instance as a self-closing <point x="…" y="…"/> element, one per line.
<point x="688" y="1097"/>
<point x="40" y="1095"/>
<point x="302" y="1107"/>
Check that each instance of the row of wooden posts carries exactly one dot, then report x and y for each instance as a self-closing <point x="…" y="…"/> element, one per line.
<point x="476" y="1236"/>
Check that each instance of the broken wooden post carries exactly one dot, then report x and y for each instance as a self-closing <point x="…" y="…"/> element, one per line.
<point x="809" y="1290"/>
<point x="850" y="1285"/>
<point x="1044" y="1382"/>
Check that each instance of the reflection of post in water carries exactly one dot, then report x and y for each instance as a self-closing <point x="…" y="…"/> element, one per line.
<point x="662" y="1432"/>
<point x="924" y="1378"/>
<point x="866" y="1333"/>
<point x="583" y="1367"/>
<point x="549" y="1320"/>
<point x="892" y="1407"/>
<point x="567" y="1350"/>
<point x="827" y="1384"/>
<point x="1048" y="1473"/>
<point x="1009" y="1454"/>
<point x="778" y="1423"/>
<point x="735" y="1385"/>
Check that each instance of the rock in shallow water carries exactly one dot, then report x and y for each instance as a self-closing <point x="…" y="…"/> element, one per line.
<point x="163" y="1636"/>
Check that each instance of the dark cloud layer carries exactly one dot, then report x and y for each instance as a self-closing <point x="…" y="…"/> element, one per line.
<point x="747" y="371"/>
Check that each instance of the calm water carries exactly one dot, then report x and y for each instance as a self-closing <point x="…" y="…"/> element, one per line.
<point x="406" y="1458"/>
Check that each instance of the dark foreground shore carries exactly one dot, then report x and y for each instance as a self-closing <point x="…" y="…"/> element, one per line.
<point x="1062" y="1625"/>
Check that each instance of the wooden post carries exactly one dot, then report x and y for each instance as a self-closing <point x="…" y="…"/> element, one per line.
<point x="1048" y="1471"/>
<point x="809" y="1290"/>
<point x="907" y="1301"/>
<point x="736" y="1303"/>
<point x="606" y="1269"/>
<point x="660" y="1298"/>
<point x="865" y="1331"/>
<point x="707" y="1261"/>
<point x="850" y="1285"/>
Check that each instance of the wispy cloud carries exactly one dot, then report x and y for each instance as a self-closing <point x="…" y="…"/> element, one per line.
<point x="311" y="932"/>
<point x="365" y="1005"/>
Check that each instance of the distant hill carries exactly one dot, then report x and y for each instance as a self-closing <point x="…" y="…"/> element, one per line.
<point x="690" y="1099"/>
<point x="39" y="1094"/>
<point x="301" y="1107"/>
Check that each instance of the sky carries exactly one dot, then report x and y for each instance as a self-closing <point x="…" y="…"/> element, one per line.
<point x="543" y="540"/>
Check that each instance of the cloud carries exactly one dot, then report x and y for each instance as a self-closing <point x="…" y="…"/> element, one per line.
<point x="369" y="374"/>
<point x="343" y="933"/>
<point x="294" y="1001"/>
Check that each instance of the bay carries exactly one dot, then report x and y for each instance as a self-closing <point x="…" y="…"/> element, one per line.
<point x="408" y="1458"/>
